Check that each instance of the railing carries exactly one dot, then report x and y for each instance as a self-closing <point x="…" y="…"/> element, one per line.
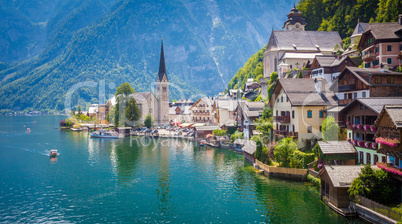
<point x="368" y="56"/>
<point x="346" y="87"/>
<point x="282" y="119"/>
<point x="345" y="101"/>
<point x="377" y="207"/>
<point x="286" y="133"/>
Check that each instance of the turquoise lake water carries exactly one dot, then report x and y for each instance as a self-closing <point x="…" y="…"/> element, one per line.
<point x="137" y="180"/>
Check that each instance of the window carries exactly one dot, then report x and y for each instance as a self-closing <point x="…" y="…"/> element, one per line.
<point x="389" y="48"/>
<point x="389" y="61"/>
<point x="293" y="114"/>
<point x="354" y="95"/>
<point x="375" y="159"/>
<point x="363" y="94"/>
<point x="281" y="98"/>
<point x="367" y="65"/>
<point x="368" y="158"/>
<point x="390" y="80"/>
<point x="309" y="114"/>
<point x="321" y="113"/>
<point x="345" y="96"/>
<point x="276" y="113"/>
<point x="320" y="129"/>
<point x="287" y="98"/>
<point x="383" y="159"/>
<point x="361" y="158"/>
<point x="376" y="50"/>
<point x="378" y="80"/>
<point x="350" y="135"/>
<point x="309" y="129"/>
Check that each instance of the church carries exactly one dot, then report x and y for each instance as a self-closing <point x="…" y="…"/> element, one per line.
<point x="156" y="105"/>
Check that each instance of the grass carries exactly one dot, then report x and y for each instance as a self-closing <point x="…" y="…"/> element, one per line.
<point x="314" y="180"/>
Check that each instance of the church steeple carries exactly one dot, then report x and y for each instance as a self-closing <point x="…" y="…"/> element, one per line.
<point x="162" y="67"/>
<point x="295" y="21"/>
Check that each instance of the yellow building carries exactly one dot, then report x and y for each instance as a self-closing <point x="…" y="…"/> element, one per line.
<point x="299" y="108"/>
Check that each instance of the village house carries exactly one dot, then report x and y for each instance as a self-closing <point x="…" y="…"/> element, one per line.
<point x="235" y="94"/>
<point x="381" y="43"/>
<point x="299" y="108"/>
<point x="202" y="111"/>
<point x="180" y="110"/>
<point x="355" y="83"/>
<point x="201" y="132"/>
<point x="225" y="111"/>
<point x="329" y="67"/>
<point x="92" y="110"/>
<point x="246" y="114"/>
<point x="293" y="47"/>
<point x="359" y="118"/>
<point x="251" y="85"/>
<point x="248" y="148"/>
<point x="335" y="182"/>
<point x="103" y="110"/>
<point x="337" y="153"/>
<point x="389" y="133"/>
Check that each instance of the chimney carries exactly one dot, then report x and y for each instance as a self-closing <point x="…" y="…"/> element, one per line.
<point x="400" y="19"/>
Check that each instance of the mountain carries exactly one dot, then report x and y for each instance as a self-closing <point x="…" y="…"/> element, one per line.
<point x="111" y="42"/>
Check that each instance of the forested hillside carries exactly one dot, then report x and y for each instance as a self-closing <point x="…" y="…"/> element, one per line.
<point x="252" y="69"/>
<point x="343" y="15"/>
<point x="119" y="41"/>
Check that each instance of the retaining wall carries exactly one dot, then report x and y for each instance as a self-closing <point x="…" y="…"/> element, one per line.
<point x="282" y="172"/>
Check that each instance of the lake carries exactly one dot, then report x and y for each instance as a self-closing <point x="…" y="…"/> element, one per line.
<point x="138" y="180"/>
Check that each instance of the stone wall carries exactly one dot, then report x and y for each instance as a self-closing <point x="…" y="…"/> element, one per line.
<point x="371" y="216"/>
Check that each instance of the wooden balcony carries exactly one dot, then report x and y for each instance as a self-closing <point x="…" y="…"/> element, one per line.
<point x="368" y="57"/>
<point x="286" y="133"/>
<point x="346" y="87"/>
<point x="345" y="101"/>
<point x="282" y="119"/>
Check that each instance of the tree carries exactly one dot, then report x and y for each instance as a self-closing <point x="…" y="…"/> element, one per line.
<point x="73" y="112"/>
<point x="79" y="110"/>
<point x="374" y="184"/>
<point x="300" y="75"/>
<point x="265" y="126"/>
<point x="124" y="89"/>
<point x="149" y="121"/>
<point x="219" y="132"/>
<point x="132" y="111"/>
<point x="284" y="151"/>
<point x="330" y="129"/>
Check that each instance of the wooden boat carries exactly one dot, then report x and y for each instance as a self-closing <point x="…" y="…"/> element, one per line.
<point x="106" y="134"/>
<point x="53" y="153"/>
<point x="76" y="129"/>
<point x="203" y="142"/>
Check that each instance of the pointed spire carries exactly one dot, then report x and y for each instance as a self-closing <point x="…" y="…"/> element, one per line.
<point x="294" y="4"/>
<point x="162" y="67"/>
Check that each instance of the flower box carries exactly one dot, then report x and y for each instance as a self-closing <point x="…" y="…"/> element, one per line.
<point x="360" y="127"/>
<point x="367" y="144"/>
<point x="389" y="169"/>
<point x="387" y="141"/>
<point x="374" y="145"/>
<point x="361" y="144"/>
<point x="367" y="127"/>
<point x="373" y="128"/>
<point x="347" y="122"/>
<point x="353" y="126"/>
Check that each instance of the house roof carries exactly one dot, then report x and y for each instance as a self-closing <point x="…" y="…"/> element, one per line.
<point x="206" y="128"/>
<point x="395" y="114"/>
<point x="363" y="74"/>
<point x="206" y="100"/>
<point x="332" y="61"/>
<point x="248" y="146"/>
<point x="376" y="104"/>
<point x="302" y="92"/>
<point x="336" y="147"/>
<point x="359" y="29"/>
<point x="382" y="31"/>
<point x="227" y="104"/>
<point x="139" y="97"/>
<point x="342" y="176"/>
<point x="335" y="109"/>
<point x="303" y="40"/>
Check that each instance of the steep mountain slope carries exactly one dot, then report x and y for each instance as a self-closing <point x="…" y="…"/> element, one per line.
<point x="205" y="42"/>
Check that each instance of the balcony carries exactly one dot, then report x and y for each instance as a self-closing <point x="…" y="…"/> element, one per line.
<point x="286" y="133"/>
<point x="346" y="87"/>
<point x="365" y="144"/>
<point x="368" y="57"/>
<point x="345" y="101"/>
<point x="282" y="119"/>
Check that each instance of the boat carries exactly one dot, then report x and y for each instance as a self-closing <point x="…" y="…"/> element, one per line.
<point x="106" y="134"/>
<point x="76" y="129"/>
<point x="53" y="152"/>
<point x="202" y="142"/>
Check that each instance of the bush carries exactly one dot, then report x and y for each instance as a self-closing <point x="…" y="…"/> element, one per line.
<point x="62" y="123"/>
<point x="237" y="135"/>
<point x="68" y="123"/>
<point x="219" y="132"/>
<point x="284" y="151"/>
<point x="314" y="180"/>
<point x="301" y="159"/>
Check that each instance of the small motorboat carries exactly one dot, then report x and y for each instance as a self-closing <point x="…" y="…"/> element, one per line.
<point x="203" y="142"/>
<point x="106" y="134"/>
<point x="53" y="152"/>
<point x="76" y="129"/>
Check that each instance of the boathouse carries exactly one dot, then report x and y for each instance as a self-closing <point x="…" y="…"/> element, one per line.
<point x="337" y="153"/>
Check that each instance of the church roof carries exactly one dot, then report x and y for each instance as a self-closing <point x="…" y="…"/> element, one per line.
<point x="162" y="66"/>
<point x="316" y="41"/>
<point x="360" y="27"/>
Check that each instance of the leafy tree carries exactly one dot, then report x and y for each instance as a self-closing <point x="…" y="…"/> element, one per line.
<point x="284" y="151"/>
<point x="261" y="153"/>
<point x="374" y="184"/>
<point x="330" y="129"/>
<point x="237" y="135"/>
<point x="267" y="113"/>
<point x="79" y="110"/>
<point x="132" y="111"/>
<point x="265" y="126"/>
<point x="124" y="89"/>
<point x="219" y="132"/>
<point x="149" y="121"/>
<point x="73" y="112"/>
<point x="271" y="84"/>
